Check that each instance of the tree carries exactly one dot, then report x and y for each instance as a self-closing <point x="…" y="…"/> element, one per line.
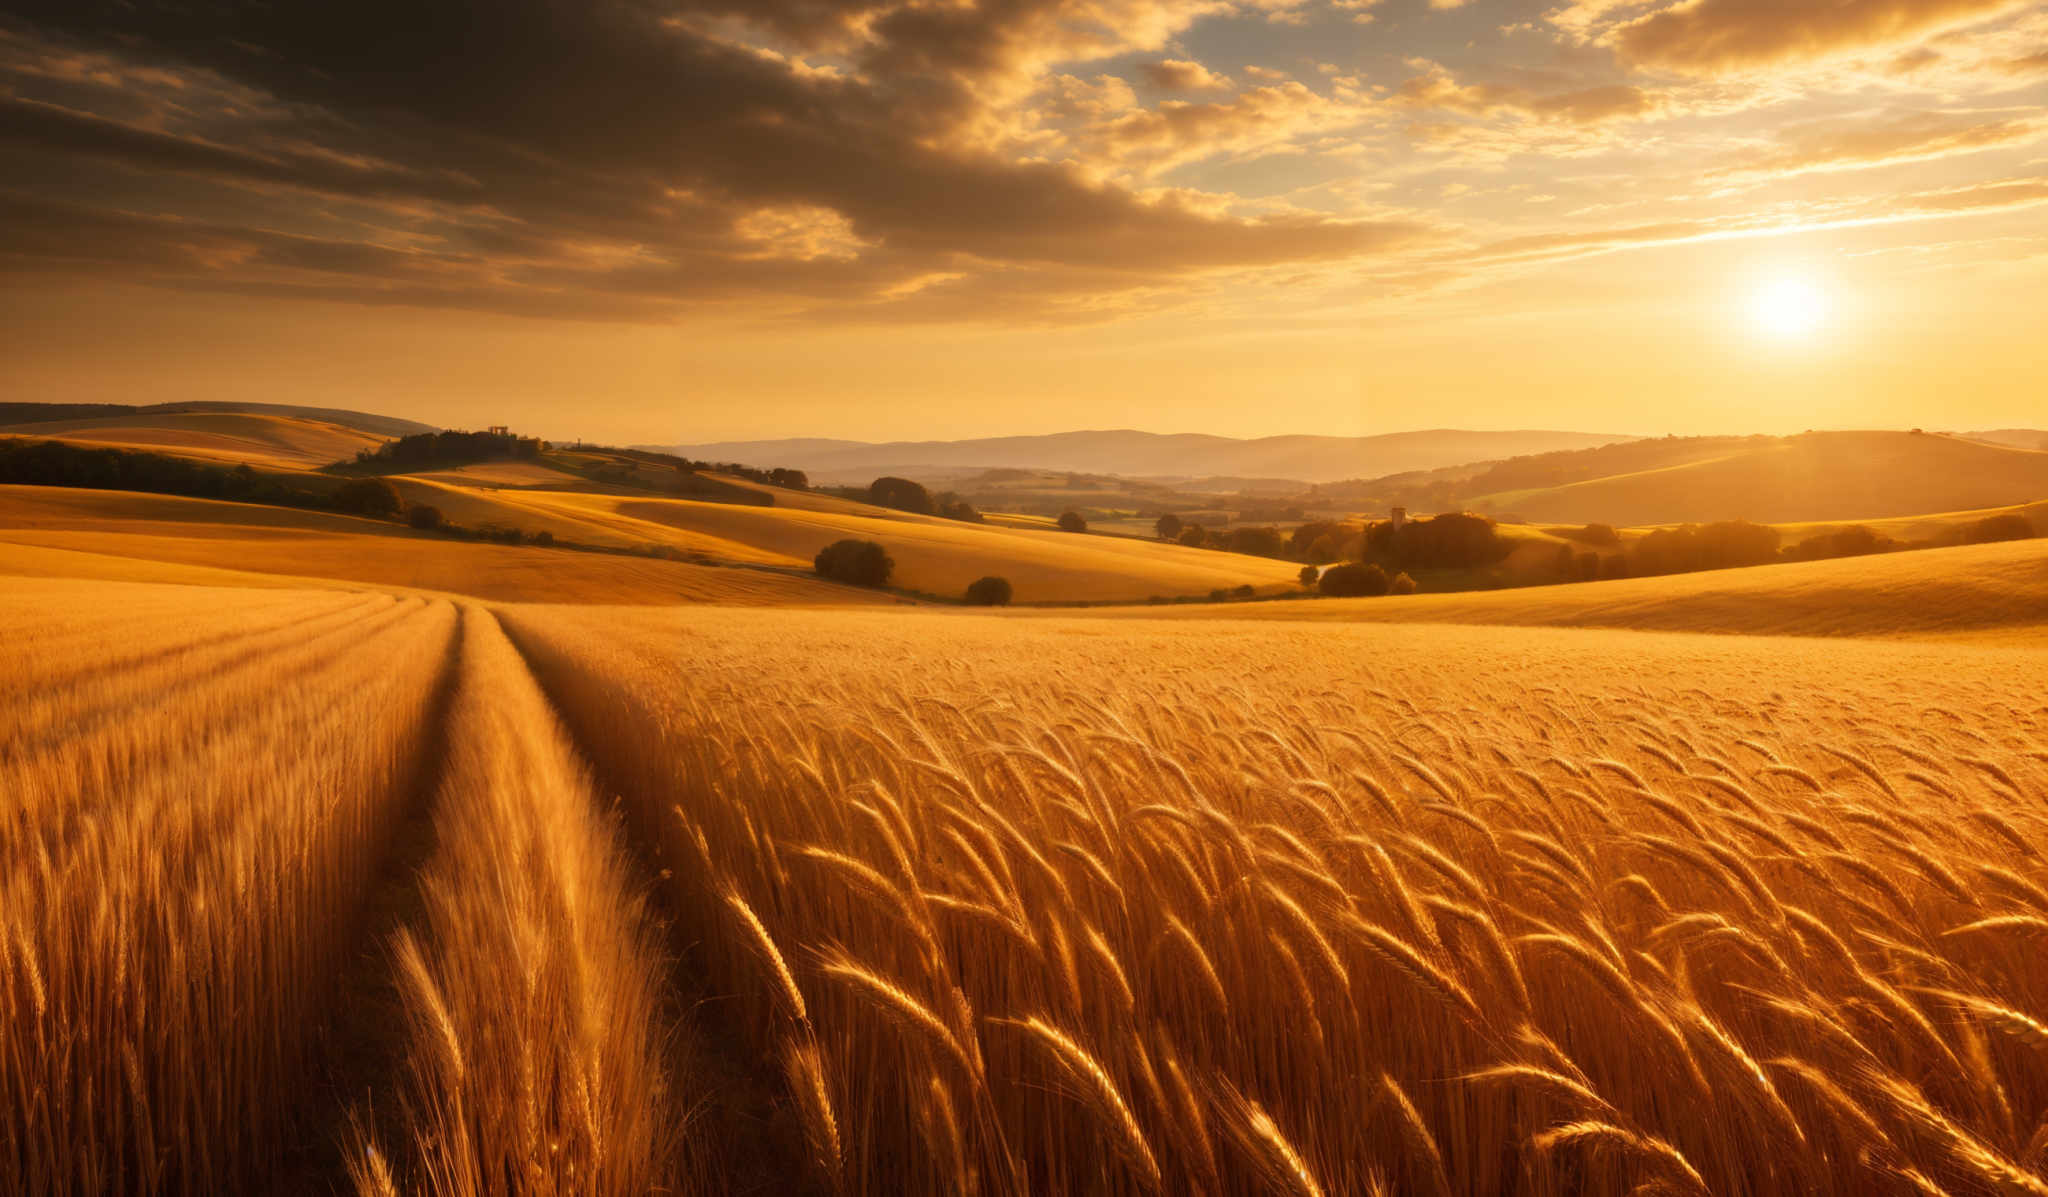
<point x="1596" y="534"/>
<point x="856" y="562"/>
<point x="901" y="494"/>
<point x="989" y="592"/>
<point x="1255" y="541"/>
<point x="423" y="516"/>
<point x="1354" y="580"/>
<point x="1402" y="584"/>
<point x="1168" y="526"/>
<point x="789" y="479"/>
<point x="1073" y="521"/>
<point x="1245" y="591"/>
<point x="544" y="538"/>
<point x="953" y="507"/>
<point x="1308" y="575"/>
<point x="367" y="496"/>
<point x="1193" y="536"/>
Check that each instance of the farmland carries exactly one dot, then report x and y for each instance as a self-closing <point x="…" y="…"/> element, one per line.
<point x="707" y="900"/>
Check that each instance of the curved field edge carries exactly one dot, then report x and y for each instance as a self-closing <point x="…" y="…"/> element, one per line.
<point x="1991" y="591"/>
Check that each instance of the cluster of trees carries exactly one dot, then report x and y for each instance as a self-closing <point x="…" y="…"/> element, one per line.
<point x="902" y="494"/>
<point x="56" y="463"/>
<point x="1453" y="540"/>
<point x="1994" y="528"/>
<point x="1855" y="541"/>
<point x="1731" y="543"/>
<point x="1361" y="579"/>
<point x="425" y="450"/>
<point x="785" y="478"/>
<point x="1691" y="547"/>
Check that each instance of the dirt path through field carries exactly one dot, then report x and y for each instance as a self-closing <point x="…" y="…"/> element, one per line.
<point x="752" y="1140"/>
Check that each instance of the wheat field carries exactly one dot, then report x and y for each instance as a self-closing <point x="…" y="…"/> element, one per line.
<point x="345" y="892"/>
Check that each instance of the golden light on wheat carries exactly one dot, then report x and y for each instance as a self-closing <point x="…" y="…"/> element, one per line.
<point x="866" y="903"/>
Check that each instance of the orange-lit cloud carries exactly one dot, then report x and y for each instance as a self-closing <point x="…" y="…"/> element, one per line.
<point x="1866" y="141"/>
<point x="1717" y="35"/>
<point x="998" y="164"/>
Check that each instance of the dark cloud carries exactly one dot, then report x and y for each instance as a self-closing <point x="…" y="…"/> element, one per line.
<point x="470" y="151"/>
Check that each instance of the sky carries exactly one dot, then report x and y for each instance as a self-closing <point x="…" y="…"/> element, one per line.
<point x="695" y="220"/>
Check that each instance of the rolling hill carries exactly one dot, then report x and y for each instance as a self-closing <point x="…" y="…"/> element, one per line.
<point x="124" y="536"/>
<point x="1814" y="477"/>
<point x="1147" y="454"/>
<point x="1993" y="591"/>
<point x="231" y="438"/>
<point x="361" y="421"/>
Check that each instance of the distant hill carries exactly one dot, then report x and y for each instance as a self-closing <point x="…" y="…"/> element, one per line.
<point x="1816" y="476"/>
<point x="40" y="413"/>
<point x="1147" y="454"/>
<point x="2020" y="438"/>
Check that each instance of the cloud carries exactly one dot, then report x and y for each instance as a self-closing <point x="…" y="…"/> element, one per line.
<point x="1864" y="142"/>
<point x="1178" y="74"/>
<point x="615" y="159"/>
<point x="1435" y="87"/>
<point x="1256" y="120"/>
<point x="1717" y="36"/>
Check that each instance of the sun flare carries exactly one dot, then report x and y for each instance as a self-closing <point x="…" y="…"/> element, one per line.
<point x="1789" y="308"/>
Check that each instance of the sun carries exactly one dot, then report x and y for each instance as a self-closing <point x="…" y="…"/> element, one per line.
<point x="1789" y="308"/>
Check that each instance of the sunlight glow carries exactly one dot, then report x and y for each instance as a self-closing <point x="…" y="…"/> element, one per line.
<point x="1788" y="308"/>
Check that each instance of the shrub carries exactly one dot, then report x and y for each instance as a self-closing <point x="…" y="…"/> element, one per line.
<point x="1308" y="575"/>
<point x="367" y="496"/>
<point x="423" y="516"/>
<point x="1168" y="526"/>
<point x="2010" y="526"/>
<point x="989" y="592"/>
<point x="856" y="562"/>
<point x="1073" y="521"/>
<point x="901" y="494"/>
<point x="1402" y="584"/>
<point x="1354" y="580"/>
